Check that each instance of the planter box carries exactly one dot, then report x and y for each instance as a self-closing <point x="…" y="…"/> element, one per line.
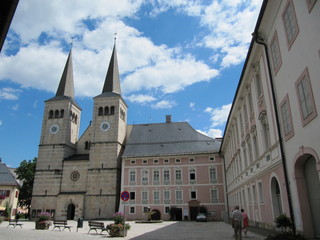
<point x="42" y="226"/>
<point x="118" y="232"/>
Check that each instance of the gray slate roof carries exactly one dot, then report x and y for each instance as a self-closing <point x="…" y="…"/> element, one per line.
<point x="164" y="139"/>
<point x="6" y="177"/>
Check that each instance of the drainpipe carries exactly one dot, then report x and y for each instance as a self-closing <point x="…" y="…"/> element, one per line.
<point x="226" y="187"/>
<point x="259" y="40"/>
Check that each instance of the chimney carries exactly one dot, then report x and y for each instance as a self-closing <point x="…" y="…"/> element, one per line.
<point x="168" y="118"/>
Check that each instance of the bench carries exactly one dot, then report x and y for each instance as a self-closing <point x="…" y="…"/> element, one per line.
<point x="96" y="225"/>
<point x="14" y="223"/>
<point x="61" y="224"/>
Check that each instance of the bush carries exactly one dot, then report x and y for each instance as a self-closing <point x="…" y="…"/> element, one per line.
<point x="283" y="221"/>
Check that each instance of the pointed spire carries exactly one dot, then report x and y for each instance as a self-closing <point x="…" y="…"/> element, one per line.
<point x="112" y="81"/>
<point x="66" y="87"/>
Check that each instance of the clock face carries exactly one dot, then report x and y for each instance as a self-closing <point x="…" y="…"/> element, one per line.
<point x="54" y="129"/>
<point x="104" y="126"/>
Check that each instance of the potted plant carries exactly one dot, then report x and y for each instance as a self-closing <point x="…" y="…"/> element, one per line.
<point x="43" y="221"/>
<point x="119" y="227"/>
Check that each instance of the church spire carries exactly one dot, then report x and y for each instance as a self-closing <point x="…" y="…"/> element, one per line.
<point x="66" y="87"/>
<point x="112" y="81"/>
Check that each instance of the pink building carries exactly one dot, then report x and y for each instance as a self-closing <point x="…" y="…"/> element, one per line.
<point x="271" y="141"/>
<point x="170" y="166"/>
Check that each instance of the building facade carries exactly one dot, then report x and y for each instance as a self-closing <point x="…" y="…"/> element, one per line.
<point x="270" y="145"/>
<point x="172" y="170"/>
<point x="82" y="177"/>
<point x="9" y="192"/>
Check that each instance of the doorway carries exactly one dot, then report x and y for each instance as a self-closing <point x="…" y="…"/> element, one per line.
<point x="276" y="197"/>
<point x="313" y="188"/>
<point x="71" y="211"/>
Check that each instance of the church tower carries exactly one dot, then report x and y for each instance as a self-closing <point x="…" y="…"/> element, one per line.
<point x="60" y="129"/>
<point x="107" y="145"/>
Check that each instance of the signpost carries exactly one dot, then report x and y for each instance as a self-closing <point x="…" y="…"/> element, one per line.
<point x="125" y="196"/>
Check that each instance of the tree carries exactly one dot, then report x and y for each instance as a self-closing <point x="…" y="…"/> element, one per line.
<point x="25" y="173"/>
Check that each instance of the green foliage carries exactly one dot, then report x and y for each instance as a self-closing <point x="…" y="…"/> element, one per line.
<point x="25" y="173"/>
<point x="286" y="236"/>
<point x="283" y="221"/>
<point x="43" y="216"/>
<point x="7" y="211"/>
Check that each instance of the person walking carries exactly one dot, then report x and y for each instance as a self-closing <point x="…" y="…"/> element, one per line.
<point x="245" y="222"/>
<point x="237" y="219"/>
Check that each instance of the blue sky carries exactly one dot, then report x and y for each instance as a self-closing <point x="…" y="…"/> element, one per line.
<point x="177" y="57"/>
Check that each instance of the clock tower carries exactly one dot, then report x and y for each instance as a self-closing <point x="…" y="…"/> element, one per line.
<point x="59" y="134"/>
<point x="107" y="143"/>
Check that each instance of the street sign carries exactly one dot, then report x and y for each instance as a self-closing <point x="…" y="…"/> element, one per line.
<point x="125" y="196"/>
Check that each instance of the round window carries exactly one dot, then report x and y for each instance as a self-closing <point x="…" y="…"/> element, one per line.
<point x="75" y="176"/>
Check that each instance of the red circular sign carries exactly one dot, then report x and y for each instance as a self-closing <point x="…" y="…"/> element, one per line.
<point x="125" y="196"/>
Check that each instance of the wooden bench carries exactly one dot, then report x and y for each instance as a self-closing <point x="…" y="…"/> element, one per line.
<point x="14" y="223"/>
<point x="96" y="225"/>
<point x="61" y="224"/>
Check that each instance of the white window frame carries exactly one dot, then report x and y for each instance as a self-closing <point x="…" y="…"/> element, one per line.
<point x="286" y="117"/>
<point x="305" y="98"/>
<point x="290" y="23"/>
<point x="275" y="53"/>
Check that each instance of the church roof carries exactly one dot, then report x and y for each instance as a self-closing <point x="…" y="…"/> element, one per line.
<point x="65" y="89"/>
<point x="6" y="177"/>
<point x="163" y="139"/>
<point x="112" y="80"/>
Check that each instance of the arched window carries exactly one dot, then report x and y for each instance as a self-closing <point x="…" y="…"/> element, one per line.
<point x="56" y="114"/>
<point x="100" y="112"/>
<point x="112" y="110"/>
<point x="76" y="119"/>
<point x="106" y="110"/>
<point x="51" y="114"/>
<point x="61" y="113"/>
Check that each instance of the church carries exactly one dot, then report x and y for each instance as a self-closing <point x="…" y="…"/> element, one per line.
<point x="167" y="167"/>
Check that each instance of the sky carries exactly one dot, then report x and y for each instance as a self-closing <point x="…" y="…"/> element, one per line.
<point x="176" y="57"/>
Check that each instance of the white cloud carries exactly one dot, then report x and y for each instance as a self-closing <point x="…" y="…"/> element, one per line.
<point x="164" y="104"/>
<point x="230" y="23"/>
<point x="214" y="133"/>
<point x="219" y="115"/>
<point x="170" y="75"/>
<point x="191" y="105"/>
<point x="9" y="93"/>
<point x="143" y="64"/>
<point x="65" y="17"/>
<point x="140" y="98"/>
<point x="15" y="107"/>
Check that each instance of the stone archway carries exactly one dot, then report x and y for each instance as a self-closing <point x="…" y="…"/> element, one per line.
<point x="156" y="215"/>
<point x="308" y="186"/>
<point x="276" y="197"/>
<point x="71" y="211"/>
